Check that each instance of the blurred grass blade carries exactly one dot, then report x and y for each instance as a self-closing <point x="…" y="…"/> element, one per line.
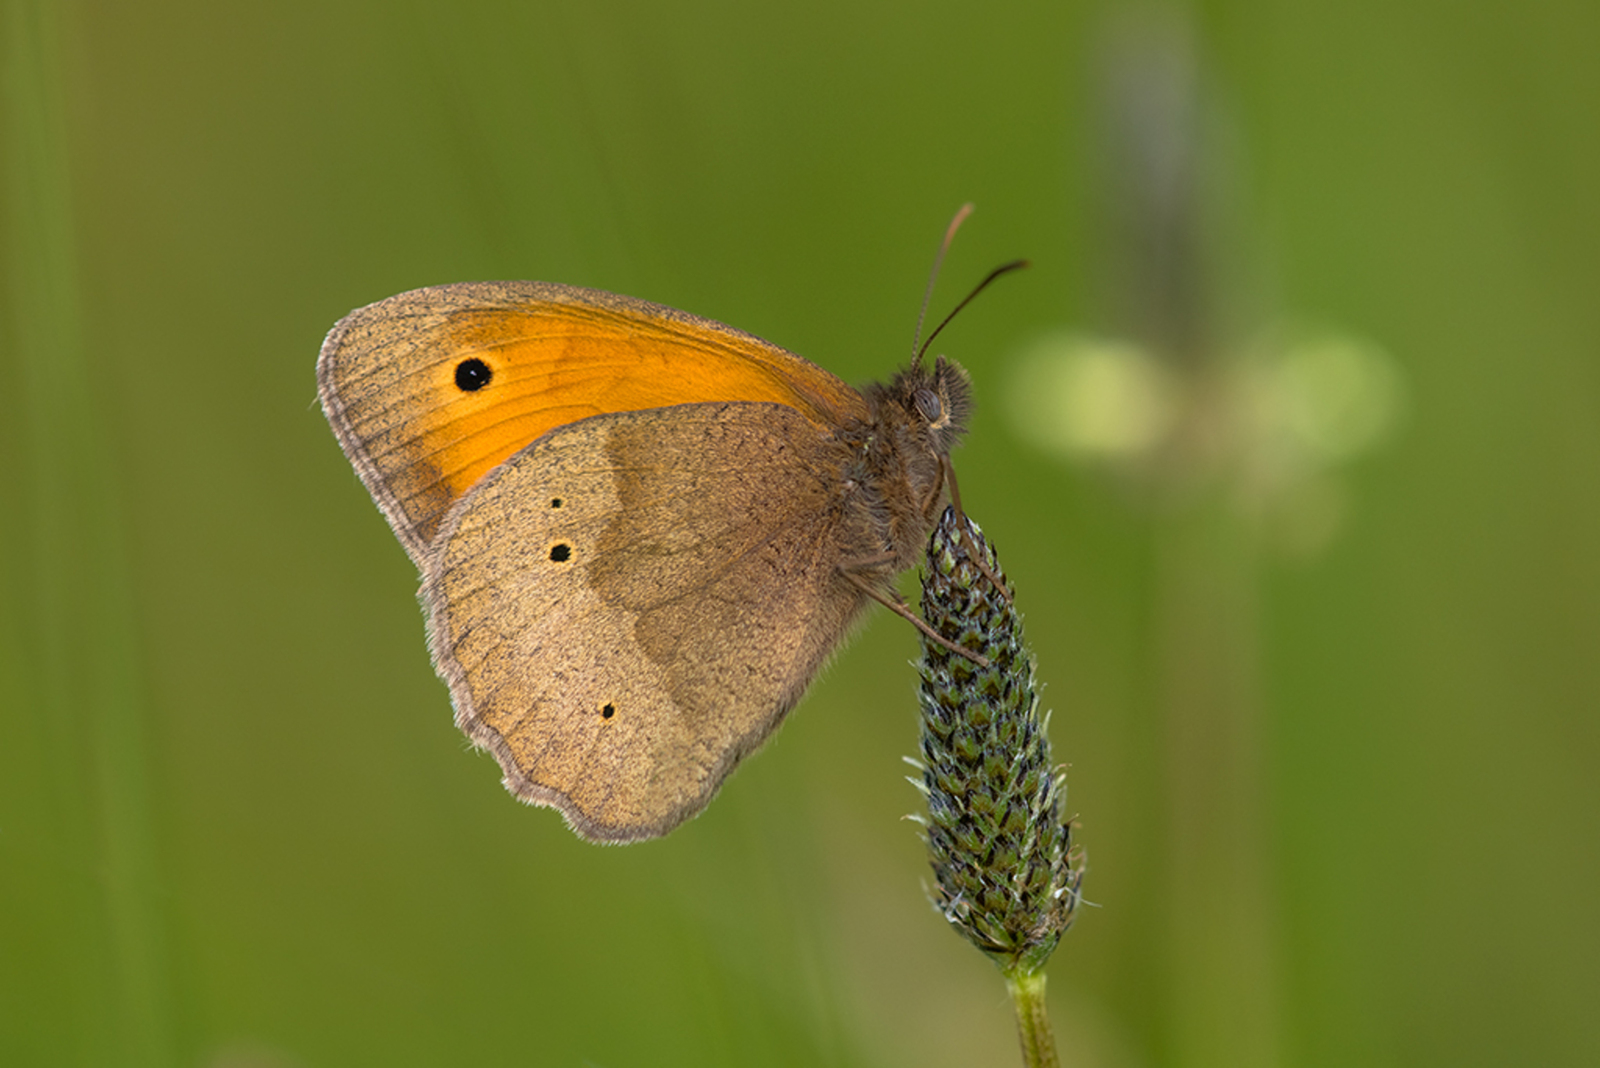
<point x="78" y="897"/>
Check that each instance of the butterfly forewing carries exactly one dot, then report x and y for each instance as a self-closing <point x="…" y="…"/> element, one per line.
<point x="430" y="390"/>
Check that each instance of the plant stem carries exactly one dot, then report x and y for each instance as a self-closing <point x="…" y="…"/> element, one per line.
<point x="1221" y="937"/>
<point x="1033" y="1020"/>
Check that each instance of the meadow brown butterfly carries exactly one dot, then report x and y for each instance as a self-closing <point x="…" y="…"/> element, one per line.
<point x="640" y="532"/>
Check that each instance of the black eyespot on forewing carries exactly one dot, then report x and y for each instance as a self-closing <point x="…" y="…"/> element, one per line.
<point x="556" y="502"/>
<point x="608" y="711"/>
<point x="472" y="375"/>
<point x="561" y="553"/>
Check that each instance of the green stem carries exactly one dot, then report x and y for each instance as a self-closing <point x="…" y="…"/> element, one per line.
<point x="1033" y="1020"/>
<point x="1221" y="939"/>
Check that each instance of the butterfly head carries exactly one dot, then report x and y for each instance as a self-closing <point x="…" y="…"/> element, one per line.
<point x="938" y="402"/>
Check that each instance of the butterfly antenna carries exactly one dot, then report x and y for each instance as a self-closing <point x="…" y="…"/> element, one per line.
<point x="933" y="276"/>
<point x="1006" y="268"/>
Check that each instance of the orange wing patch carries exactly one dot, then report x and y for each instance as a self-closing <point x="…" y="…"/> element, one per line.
<point x="431" y="390"/>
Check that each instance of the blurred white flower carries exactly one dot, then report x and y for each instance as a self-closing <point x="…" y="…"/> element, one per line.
<point x="1277" y="422"/>
<point x="1096" y="398"/>
<point x="1335" y="396"/>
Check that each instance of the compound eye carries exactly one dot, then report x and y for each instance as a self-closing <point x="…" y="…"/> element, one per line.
<point x="928" y="405"/>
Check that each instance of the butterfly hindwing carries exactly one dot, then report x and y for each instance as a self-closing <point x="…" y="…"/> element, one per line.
<point x="626" y="608"/>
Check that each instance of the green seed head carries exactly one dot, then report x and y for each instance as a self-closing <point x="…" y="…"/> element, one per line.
<point x="1005" y="872"/>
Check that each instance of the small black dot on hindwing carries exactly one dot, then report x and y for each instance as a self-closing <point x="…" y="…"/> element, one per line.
<point x="608" y="711"/>
<point x="561" y="553"/>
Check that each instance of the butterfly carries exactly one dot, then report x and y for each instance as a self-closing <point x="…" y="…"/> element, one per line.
<point x="640" y="532"/>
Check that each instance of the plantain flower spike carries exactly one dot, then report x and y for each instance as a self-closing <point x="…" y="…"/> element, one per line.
<point x="1005" y="872"/>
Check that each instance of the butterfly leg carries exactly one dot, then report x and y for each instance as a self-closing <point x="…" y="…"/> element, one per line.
<point x="948" y="474"/>
<point x="900" y="608"/>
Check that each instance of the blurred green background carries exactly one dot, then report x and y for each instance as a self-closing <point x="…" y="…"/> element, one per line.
<point x="1338" y="785"/>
